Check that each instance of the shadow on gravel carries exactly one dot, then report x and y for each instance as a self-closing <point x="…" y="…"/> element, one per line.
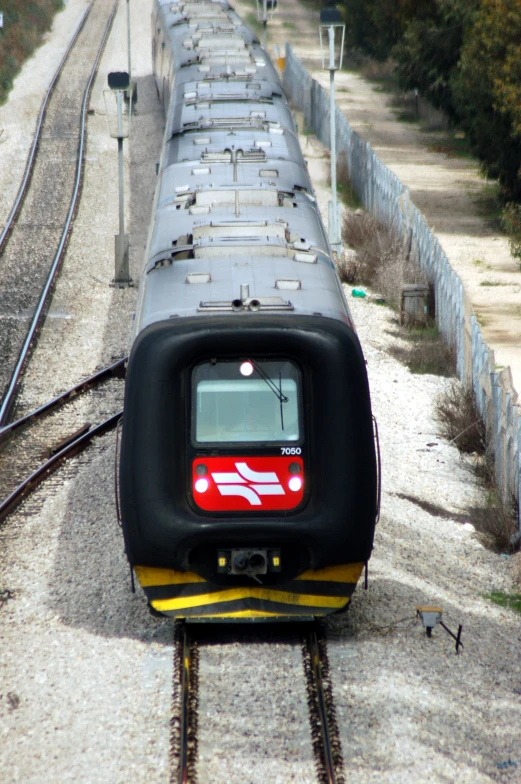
<point x="443" y="715"/>
<point x="91" y="574"/>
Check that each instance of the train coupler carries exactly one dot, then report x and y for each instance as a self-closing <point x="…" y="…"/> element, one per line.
<point x="248" y="561"/>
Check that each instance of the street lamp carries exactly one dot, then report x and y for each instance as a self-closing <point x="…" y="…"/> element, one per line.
<point x="331" y="21"/>
<point x="265" y="11"/>
<point x="119" y="84"/>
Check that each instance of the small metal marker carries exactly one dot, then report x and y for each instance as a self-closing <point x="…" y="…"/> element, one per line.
<point x="430" y="616"/>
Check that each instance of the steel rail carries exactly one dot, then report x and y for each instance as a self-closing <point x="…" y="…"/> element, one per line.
<point x="316" y="669"/>
<point x="116" y="370"/>
<point x="50" y="465"/>
<point x="185" y="705"/>
<point x="32" y="153"/>
<point x="35" y="323"/>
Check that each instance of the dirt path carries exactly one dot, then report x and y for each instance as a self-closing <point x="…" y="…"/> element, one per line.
<point x="448" y="190"/>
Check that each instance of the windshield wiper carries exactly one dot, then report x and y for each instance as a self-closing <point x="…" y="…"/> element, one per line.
<point x="271" y="384"/>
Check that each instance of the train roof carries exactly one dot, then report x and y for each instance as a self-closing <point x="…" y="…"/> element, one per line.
<point x="236" y="226"/>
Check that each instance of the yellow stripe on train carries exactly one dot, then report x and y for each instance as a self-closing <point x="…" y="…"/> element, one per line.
<point x="150" y="576"/>
<point x="345" y="573"/>
<point x="241" y="593"/>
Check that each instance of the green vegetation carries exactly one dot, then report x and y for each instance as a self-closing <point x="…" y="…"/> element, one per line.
<point x="253" y="23"/>
<point x="426" y="352"/>
<point x="511" y="223"/>
<point x="464" y="57"/>
<point x="25" y="21"/>
<point x="510" y="600"/>
<point x="453" y="145"/>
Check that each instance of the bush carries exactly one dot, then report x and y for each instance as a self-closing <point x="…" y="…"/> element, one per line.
<point x="381" y="259"/>
<point x="487" y="91"/>
<point x="459" y="419"/>
<point x="511" y="223"/>
<point x="427" y="352"/>
<point x="25" y="21"/>
<point x="495" y="523"/>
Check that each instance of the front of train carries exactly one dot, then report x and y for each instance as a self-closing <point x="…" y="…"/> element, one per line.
<point x="248" y="476"/>
<point x="248" y="480"/>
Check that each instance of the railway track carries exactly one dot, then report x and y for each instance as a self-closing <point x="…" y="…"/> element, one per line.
<point x="190" y="641"/>
<point x="37" y="444"/>
<point x="33" y="242"/>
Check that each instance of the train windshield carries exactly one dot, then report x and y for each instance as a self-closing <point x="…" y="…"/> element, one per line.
<point x="246" y="401"/>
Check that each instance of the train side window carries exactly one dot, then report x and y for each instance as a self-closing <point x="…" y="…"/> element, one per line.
<point x="246" y="401"/>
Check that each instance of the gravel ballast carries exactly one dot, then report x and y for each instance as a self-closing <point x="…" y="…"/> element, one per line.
<point x="86" y="672"/>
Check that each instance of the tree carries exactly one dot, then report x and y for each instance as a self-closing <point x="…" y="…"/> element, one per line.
<point x="430" y="48"/>
<point x="375" y="26"/>
<point x="486" y="88"/>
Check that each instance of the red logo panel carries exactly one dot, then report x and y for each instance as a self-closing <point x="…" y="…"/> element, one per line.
<point x="248" y="484"/>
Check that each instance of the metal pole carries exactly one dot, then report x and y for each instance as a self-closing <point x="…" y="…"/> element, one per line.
<point x="128" y="42"/>
<point x="119" y="99"/>
<point x="334" y="237"/>
<point x="122" y="277"/>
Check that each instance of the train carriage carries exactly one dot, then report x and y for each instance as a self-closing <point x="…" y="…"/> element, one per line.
<point x="248" y="478"/>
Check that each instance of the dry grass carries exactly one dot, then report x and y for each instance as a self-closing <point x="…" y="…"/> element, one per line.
<point x="426" y="352"/>
<point x="25" y="21"/>
<point x="495" y="524"/>
<point x="382" y="260"/>
<point x="459" y="420"/>
<point x="343" y="182"/>
<point x="461" y="423"/>
<point x="515" y="569"/>
<point x="348" y="268"/>
<point x="379" y="259"/>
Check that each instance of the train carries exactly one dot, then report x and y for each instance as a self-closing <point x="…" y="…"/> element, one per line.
<point x="248" y="479"/>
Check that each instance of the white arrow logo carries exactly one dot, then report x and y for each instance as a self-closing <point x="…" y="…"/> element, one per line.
<point x="248" y="484"/>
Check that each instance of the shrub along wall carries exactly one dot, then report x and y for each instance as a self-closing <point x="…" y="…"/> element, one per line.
<point x="383" y="195"/>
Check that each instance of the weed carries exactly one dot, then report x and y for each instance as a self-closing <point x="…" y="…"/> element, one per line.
<point x="343" y="183"/>
<point x="495" y="523"/>
<point x="406" y="115"/>
<point x="383" y="262"/>
<point x="492" y="283"/>
<point x="427" y="352"/>
<point x="510" y="600"/>
<point x="511" y="224"/>
<point x="459" y="419"/>
<point x="515" y="569"/>
<point x="405" y="108"/>
<point x="452" y="145"/>
<point x="289" y="25"/>
<point x="253" y="22"/>
<point x="381" y="73"/>
<point x="488" y="203"/>
<point x="460" y="422"/>
<point x="348" y="268"/>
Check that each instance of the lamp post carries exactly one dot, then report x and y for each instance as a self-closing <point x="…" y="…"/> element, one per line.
<point x="119" y="84"/>
<point x="331" y="21"/>
<point x="129" y="93"/>
<point x="265" y="11"/>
